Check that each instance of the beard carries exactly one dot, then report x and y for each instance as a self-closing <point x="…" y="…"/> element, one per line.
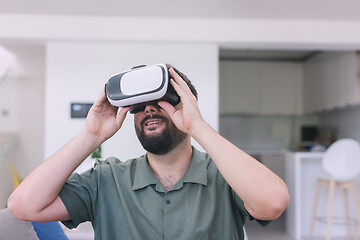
<point x="163" y="142"/>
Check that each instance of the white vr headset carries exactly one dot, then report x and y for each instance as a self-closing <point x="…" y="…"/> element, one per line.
<point x="140" y="86"/>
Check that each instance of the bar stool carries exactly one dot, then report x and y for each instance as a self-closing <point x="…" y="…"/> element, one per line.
<point x="341" y="162"/>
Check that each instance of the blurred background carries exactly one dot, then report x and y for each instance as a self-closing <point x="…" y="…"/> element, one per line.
<point x="273" y="76"/>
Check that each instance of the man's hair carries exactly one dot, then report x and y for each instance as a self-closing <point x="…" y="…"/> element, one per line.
<point x="186" y="79"/>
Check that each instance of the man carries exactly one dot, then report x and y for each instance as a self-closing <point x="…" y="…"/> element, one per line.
<point x="172" y="192"/>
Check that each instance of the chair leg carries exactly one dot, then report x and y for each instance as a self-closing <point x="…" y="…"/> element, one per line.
<point x="346" y="200"/>
<point x="317" y="193"/>
<point x="331" y="200"/>
<point x="357" y="205"/>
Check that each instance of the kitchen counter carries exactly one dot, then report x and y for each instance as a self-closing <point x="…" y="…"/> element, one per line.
<point x="302" y="169"/>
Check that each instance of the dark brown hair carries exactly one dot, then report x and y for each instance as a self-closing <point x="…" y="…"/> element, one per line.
<point x="186" y="79"/>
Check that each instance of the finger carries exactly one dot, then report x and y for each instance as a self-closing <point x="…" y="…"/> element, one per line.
<point x="169" y="109"/>
<point x="123" y="111"/>
<point x="121" y="115"/>
<point x="181" y="82"/>
<point x="101" y="99"/>
<point x="177" y="88"/>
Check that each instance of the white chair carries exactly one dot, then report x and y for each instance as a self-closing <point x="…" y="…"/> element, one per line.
<point x="341" y="162"/>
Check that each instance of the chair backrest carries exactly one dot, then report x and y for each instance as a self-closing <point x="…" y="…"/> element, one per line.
<point x="342" y="159"/>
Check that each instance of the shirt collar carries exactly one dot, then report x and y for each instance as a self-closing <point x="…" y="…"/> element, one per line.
<point x="143" y="174"/>
<point x="197" y="170"/>
<point x="195" y="174"/>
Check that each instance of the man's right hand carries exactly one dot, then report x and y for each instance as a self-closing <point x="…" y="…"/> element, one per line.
<point x="103" y="119"/>
<point x="37" y="197"/>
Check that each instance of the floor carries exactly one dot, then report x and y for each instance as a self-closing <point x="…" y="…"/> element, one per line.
<point x="273" y="235"/>
<point x="275" y="231"/>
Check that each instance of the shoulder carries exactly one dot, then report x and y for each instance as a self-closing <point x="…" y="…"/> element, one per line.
<point x="213" y="173"/>
<point x="112" y="162"/>
<point x="206" y="159"/>
<point x="201" y="156"/>
<point x="107" y="168"/>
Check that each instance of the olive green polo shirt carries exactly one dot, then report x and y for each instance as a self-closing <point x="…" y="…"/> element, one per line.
<point x="127" y="201"/>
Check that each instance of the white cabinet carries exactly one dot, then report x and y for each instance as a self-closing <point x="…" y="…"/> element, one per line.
<point x="350" y="81"/>
<point x="331" y="81"/>
<point x="280" y="91"/>
<point x="326" y="81"/>
<point x="260" y="87"/>
<point x="239" y="86"/>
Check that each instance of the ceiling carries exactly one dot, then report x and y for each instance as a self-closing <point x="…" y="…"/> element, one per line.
<point x="265" y="55"/>
<point x="250" y="9"/>
<point x="328" y="10"/>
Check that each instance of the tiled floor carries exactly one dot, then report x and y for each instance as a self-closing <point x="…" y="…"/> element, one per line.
<point x="275" y="233"/>
<point x="269" y="235"/>
<point x="281" y="235"/>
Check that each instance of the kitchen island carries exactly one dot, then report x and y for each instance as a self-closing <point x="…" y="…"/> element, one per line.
<point x="302" y="172"/>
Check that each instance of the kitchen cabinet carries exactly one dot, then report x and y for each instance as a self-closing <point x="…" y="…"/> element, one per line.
<point x="331" y="80"/>
<point x="280" y="88"/>
<point x="260" y="87"/>
<point x="238" y="87"/>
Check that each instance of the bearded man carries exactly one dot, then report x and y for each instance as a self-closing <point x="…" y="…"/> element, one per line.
<point x="172" y="192"/>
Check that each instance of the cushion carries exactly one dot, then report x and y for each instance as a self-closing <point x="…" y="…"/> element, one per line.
<point x="49" y="231"/>
<point x="15" y="229"/>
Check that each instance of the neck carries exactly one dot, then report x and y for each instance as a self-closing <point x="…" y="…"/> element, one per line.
<point x="171" y="167"/>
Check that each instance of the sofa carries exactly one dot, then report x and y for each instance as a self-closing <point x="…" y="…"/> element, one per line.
<point x="12" y="228"/>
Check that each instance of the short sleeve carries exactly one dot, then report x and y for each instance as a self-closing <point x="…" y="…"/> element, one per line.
<point x="78" y="195"/>
<point x="244" y="212"/>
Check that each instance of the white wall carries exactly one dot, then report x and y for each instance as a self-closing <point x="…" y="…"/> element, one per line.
<point x="341" y="123"/>
<point x="22" y="114"/>
<point x="9" y="104"/>
<point x="76" y="72"/>
<point x="9" y="123"/>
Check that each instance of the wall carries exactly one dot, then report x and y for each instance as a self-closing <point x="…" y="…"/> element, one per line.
<point x="22" y="113"/>
<point x="9" y="127"/>
<point x="341" y="123"/>
<point x="76" y="72"/>
<point x="261" y="134"/>
<point x="9" y="104"/>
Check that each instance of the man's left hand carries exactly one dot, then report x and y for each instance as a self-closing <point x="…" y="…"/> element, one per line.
<point x="186" y="115"/>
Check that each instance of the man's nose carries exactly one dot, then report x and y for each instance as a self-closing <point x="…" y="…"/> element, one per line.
<point x="151" y="108"/>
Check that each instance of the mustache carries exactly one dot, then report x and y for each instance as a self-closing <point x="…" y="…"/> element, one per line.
<point x="153" y="116"/>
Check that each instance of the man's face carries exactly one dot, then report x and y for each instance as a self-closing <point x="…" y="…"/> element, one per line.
<point x="155" y="130"/>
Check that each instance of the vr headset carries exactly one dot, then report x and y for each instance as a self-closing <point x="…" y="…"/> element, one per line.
<point x="142" y="85"/>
